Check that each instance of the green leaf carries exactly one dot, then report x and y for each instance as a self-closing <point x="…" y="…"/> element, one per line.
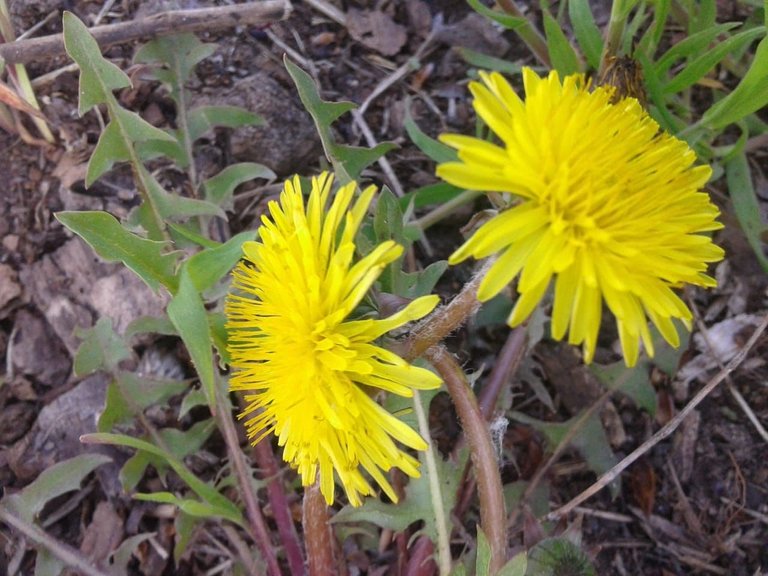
<point x="148" y="259"/>
<point x="59" y="479"/>
<point x="124" y="552"/>
<point x="698" y="67"/>
<point x="388" y="218"/>
<point x="173" y="206"/>
<point x="589" y="440"/>
<point x="191" y="507"/>
<point x="217" y="321"/>
<point x="182" y="443"/>
<point x="435" y="149"/>
<point x="125" y="129"/>
<point x="173" y="150"/>
<point x="209" y="266"/>
<point x="635" y="382"/>
<point x="348" y="161"/>
<point x="189" y="233"/>
<point x="415" y="284"/>
<point x="187" y="312"/>
<point x="101" y="349"/>
<point x="486" y="62"/>
<point x="429" y="195"/>
<point x="388" y="225"/>
<point x="220" y="188"/>
<point x="129" y="394"/>
<point x="746" y="205"/>
<point x="509" y="22"/>
<point x="179" y="54"/>
<point x="98" y="77"/>
<point x="515" y="567"/>
<point x="650" y="40"/>
<point x="483" y="562"/>
<point x="655" y="94"/>
<point x="352" y="160"/>
<point x="191" y="400"/>
<point x="133" y="470"/>
<point x="206" y="118"/>
<point x="561" y="53"/>
<point x="150" y="325"/>
<point x="749" y="96"/>
<point x="184" y="526"/>
<point x="691" y="45"/>
<point x="704" y="15"/>
<point x="586" y="31"/>
<point x="205" y="491"/>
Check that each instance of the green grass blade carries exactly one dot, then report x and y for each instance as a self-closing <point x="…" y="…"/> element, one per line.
<point x="746" y="205"/>
<point x="587" y="33"/>
<point x="749" y="96"/>
<point x="562" y="55"/>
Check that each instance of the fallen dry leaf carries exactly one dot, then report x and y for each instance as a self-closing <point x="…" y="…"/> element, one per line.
<point x="103" y="535"/>
<point x="376" y="30"/>
<point x="684" y="445"/>
<point x="10" y="97"/>
<point x="9" y="287"/>
<point x="642" y="482"/>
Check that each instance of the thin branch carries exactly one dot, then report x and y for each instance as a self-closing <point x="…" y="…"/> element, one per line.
<point x="69" y="556"/>
<point x="173" y="22"/>
<point x="577" y="427"/>
<point x="663" y="432"/>
<point x="329" y="10"/>
<point x="729" y="382"/>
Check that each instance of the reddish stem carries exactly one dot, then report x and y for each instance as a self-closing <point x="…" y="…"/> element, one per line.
<point x="258" y="527"/>
<point x="280" y="508"/>
<point x="317" y="533"/>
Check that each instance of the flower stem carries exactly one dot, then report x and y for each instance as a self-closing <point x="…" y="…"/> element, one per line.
<point x="280" y="509"/>
<point x="446" y="209"/>
<point x="489" y="488"/>
<point x="447" y="318"/>
<point x="435" y="491"/>
<point x="317" y="532"/>
<point x="616" y="23"/>
<point x="507" y="363"/>
<point x="256" y="522"/>
<point x="528" y="33"/>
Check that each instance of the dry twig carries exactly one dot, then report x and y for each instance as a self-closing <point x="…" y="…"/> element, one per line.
<point x="663" y="432"/>
<point x="174" y="22"/>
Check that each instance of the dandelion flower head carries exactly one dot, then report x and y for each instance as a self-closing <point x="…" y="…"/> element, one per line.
<point x="602" y="202"/>
<point x="308" y="372"/>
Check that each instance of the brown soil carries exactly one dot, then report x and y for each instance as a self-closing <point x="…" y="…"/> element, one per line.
<point x="696" y="504"/>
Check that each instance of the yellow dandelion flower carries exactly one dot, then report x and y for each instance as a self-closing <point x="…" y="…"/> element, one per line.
<point x="603" y="202"/>
<point x="308" y="373"/>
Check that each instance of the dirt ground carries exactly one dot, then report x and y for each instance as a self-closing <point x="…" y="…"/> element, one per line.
<point x="696" y="504"/>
